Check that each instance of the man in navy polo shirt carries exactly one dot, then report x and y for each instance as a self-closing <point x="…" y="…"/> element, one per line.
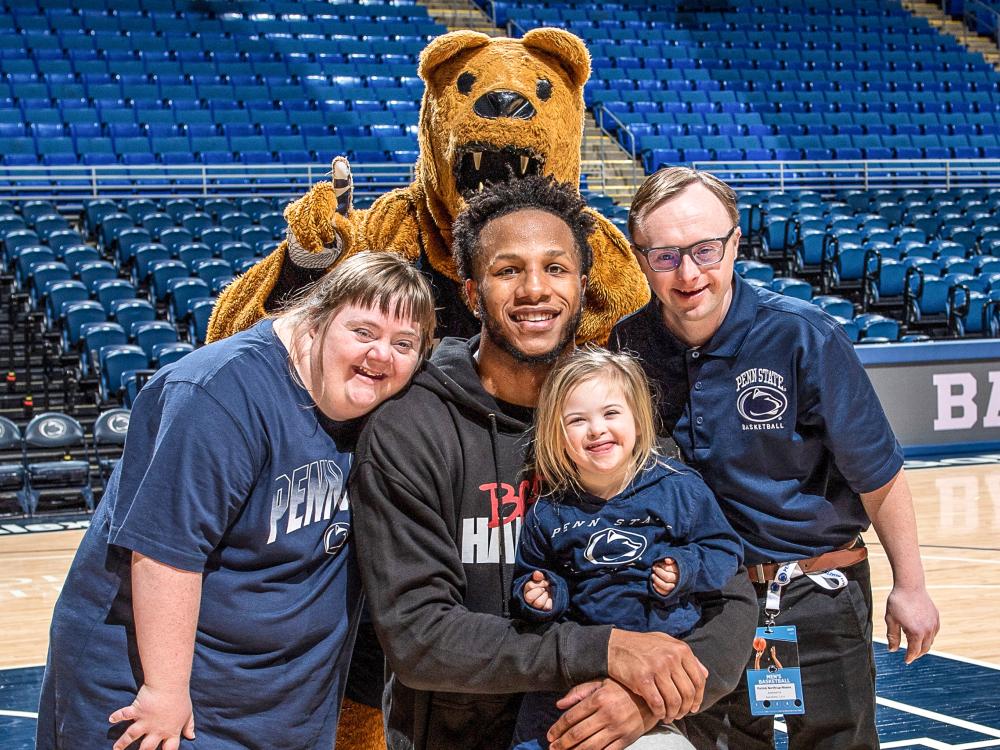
<point x="767" y="399"/>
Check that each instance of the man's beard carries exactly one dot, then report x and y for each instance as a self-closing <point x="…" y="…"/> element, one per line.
<point x="497" y="336"/>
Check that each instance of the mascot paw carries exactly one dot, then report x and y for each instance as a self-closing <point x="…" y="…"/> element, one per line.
<point x="318" y="230"/>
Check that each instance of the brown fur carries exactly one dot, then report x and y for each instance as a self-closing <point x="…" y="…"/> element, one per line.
<point x="417" y="220"/>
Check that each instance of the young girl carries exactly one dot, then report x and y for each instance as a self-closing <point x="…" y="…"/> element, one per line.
<point x="622" y="536"/>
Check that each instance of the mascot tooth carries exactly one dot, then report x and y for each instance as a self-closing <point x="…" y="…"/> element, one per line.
<point x="492" y="109"/>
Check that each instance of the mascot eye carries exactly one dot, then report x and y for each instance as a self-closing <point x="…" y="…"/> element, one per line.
<point x="465" y="82"/>
<point x="544" y="90"/>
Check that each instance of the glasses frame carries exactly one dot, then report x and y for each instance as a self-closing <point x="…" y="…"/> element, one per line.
<point x="645" y="251"/>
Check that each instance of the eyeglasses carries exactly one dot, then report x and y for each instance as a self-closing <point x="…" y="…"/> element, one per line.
<point x="703" y="253"/>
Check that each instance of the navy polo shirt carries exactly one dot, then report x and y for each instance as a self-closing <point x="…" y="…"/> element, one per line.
<point x="777" y="414"/>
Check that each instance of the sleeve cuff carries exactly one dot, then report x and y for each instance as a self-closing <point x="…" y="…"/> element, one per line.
<point x="157" y="551"/>
<point x="305" y="259"/>
<point x="586" y="652"/>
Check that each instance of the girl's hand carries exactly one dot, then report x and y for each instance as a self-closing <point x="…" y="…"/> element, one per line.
<point x="665" y="576"/>
<point x="538" y="593"/>
<point x="157" y="716"/>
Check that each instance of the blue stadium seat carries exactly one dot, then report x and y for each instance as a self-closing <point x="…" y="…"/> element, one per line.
<point x="169" y="352"/>
<point x="793" y="288"/>
<point x="148" y="333"/>
<point x="53" y="480"/>
<point x="127" y="311"/>
<point x="115" y="360"/>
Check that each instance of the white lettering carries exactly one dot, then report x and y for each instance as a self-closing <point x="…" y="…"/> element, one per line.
<point x="481" y="544"/>
<point x="300" y="483"/>
<point x="475" y="539"/>
<point x="992" y="416"/>
<point x="279" y="505"/>
<point x="956" y="409"/>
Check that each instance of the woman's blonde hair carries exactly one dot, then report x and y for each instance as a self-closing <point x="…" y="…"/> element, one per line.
<point x="552" y="461"/>
<point x="381" y="281"/>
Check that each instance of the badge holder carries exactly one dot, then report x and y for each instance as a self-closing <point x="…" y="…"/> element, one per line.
<point x="775" y="681"/>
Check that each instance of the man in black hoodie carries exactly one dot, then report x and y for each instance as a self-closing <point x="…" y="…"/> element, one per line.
<point x="441" y="491"/>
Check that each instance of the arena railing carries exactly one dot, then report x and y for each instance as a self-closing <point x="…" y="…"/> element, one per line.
<point x="72" y="185"/>
<point x="829" y="176"/>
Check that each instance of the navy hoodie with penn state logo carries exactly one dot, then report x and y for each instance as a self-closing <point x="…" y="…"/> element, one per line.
<point x="440" y="491"/>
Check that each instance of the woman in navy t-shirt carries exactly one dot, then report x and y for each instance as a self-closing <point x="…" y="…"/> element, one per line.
<point x="214" y="600"/>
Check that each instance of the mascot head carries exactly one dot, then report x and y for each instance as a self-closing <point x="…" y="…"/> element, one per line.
<point x="496" y="108"/>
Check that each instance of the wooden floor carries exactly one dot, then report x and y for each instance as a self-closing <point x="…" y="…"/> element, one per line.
<point x="958" y="513"/>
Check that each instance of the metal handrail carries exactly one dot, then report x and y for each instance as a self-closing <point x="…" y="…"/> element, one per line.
<point x="622" y="127"/>
<point x="74" y="184"/>
<point x="970" y="19"/>
<point x="68" y="184"/>
<point x="856" y="174"/>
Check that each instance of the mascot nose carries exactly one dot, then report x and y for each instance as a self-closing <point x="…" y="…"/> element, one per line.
<point x="495" y="104"/>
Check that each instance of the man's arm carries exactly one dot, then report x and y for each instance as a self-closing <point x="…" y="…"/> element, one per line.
<point x="723" y="639"/>
<point x="909" y="607"/>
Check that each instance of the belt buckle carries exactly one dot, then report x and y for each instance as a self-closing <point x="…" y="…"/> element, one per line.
<point x="759" y="567"/>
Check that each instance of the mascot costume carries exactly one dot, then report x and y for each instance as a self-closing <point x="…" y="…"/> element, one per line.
<point x="493" y="109"/>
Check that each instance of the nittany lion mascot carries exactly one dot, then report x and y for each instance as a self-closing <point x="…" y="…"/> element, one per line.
<point x="493" y="109"/>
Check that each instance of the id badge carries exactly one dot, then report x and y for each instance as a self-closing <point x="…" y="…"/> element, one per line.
<point x="774" y="680"/>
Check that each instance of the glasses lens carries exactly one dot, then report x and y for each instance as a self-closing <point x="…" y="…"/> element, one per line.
<point x="708" y="252"/>
<point x="664" y="260"/>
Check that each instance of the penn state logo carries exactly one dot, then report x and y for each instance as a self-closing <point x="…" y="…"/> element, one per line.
<point x="336" y="537"/>
<point x="761" y="403"/>
<point x="52" y="428"/>
<point x="760" y="399"/>
<point x="615" y="547"/>
<point x="119" y="423"/>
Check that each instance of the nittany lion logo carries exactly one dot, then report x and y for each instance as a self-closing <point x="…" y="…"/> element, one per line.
<point x="52" y="428"/>
<point x="615" y="547"/>
<point x="761" y="403"/>
<point x="119" y="423"/>
<point x="336" y="537"/>
<point x="760" y="397"/>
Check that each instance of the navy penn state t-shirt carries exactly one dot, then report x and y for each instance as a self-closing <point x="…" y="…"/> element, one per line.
<point x="228" y="471"/>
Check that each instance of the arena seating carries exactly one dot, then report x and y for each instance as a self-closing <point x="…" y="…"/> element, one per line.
<point x="928" y="259"/>
<point x="175" y="82"/>
<point x="788" y="80"/>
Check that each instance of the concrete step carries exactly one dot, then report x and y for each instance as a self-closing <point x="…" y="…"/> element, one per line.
<point x="956" y="29"/>
<point x="461" y="14"/>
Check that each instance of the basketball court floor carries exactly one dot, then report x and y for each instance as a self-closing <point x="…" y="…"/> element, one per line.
<point x="948" y="699"/>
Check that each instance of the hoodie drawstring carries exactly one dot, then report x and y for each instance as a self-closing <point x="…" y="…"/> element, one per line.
<point x="504" y="579"/>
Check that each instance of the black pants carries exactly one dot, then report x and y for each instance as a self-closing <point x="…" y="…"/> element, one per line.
<point x="838" y="675"/>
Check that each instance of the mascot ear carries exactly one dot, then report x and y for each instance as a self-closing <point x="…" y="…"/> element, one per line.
<point x="446" y="47"/>
<point x="568" y="49"/>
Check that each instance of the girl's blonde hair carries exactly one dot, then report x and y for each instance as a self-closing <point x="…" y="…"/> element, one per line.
<point x="382" y="281"/>
<point x="552" y="461"/>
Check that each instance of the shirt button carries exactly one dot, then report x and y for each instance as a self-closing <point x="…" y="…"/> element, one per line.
<point x="697" y="386"/>
<point x="699" y="420"/>
<point x="695" y="354"/>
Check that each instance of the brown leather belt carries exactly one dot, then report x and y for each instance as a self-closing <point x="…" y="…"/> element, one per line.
<point x="839" y="558"/>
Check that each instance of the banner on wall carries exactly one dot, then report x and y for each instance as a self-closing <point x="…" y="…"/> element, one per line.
<point x="940" y="397"/>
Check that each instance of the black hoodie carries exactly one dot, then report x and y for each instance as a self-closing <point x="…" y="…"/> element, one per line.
<point x="438" y="473"/>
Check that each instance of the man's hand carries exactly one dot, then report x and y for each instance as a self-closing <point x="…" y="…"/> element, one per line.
<point x="600" y="715"/>
<point x="665" y="574"/>
<point x="913" y="612"/>
<point x="538" y="592"/>
<point x="156" y="716"/>
<point x="661" y="670"/>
